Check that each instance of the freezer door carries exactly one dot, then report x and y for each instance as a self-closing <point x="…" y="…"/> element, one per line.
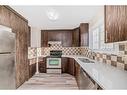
<point x="7" y="71"/>
<point x="7" y="41"/>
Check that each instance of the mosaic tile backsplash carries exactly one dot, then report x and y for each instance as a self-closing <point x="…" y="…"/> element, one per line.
<point x="32" y="52"/>
<point x="119" y="61"/>
<point x="65" y="50"/>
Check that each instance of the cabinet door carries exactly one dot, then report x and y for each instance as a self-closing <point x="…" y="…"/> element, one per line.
<point x="68" y="65"/>
<point x="84" y="34"/>
<point x="4" y="16"/>
<point x="67" y="38"/>
<point x="42" y="65"/>
<point x="71" y="68"/>
<point x="77" y="73"/>
<point x="75" y="38"/>
<point x="32" y="70"/>
<point x="29" y="37"/>
<point x="15" y="22"/>
<point x="55" y="35"/>
<point x="64" y="65"/>
<point x="115" y="23"/>
<point x="44" y="38"/>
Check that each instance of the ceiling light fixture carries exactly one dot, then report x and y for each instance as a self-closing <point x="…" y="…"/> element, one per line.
<point x="52" y="14"/>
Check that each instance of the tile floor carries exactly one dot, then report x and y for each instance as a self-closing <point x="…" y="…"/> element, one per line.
<point x="45" y="81"/>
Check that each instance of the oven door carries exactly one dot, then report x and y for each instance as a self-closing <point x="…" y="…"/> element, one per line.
<point x="54" y="63"/>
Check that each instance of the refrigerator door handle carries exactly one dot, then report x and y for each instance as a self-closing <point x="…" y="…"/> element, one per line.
<point x="5" y="52"/>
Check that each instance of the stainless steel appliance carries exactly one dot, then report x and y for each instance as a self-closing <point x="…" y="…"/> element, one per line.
<point x="54" y="62"/>
<point x="7" y="59"/>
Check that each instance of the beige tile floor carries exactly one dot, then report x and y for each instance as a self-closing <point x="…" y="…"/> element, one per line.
<point x="45" y="81"/>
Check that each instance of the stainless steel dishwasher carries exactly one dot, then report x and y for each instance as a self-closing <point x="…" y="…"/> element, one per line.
<point x="86" y="82"/>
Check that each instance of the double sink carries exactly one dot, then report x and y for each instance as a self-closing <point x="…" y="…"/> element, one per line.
<point x="84" y="60"/>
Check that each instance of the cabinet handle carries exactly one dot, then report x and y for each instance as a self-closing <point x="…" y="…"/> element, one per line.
<point x="106" y="36"/>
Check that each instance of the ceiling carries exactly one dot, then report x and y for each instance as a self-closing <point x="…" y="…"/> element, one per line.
<point x="69" y="16"/>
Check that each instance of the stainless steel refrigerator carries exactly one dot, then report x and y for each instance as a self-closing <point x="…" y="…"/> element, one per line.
<point x="7" y="59"/>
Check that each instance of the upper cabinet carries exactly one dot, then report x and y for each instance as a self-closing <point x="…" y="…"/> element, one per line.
<point x="54" y="35"/>
<point x="4" y="16"/>
<point x="44" y="38"/>
<point x="69" y="37"/>
<point x="65" y="36"/>
<point x="75" y="37"/>
<point x="115" y="23"/>
<point x="84" y="34"/>
<point x="15" y="23"/>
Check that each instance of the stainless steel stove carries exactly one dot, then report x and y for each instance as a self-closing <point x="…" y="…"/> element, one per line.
<point x="54" y="62"/>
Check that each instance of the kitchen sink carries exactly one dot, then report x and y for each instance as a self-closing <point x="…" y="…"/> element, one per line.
<point x="85" y="60"/>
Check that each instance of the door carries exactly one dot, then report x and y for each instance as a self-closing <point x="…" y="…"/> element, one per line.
<point x="7" y="58"/>
<point x="7" y="40"/>
<point x="7" y="71"/>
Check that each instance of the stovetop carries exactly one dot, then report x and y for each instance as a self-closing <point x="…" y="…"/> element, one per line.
<point x="53" y="56"/>
<point x="56" y="53"/>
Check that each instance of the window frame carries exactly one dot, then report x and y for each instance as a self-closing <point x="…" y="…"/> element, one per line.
<point x="106" y="49"/>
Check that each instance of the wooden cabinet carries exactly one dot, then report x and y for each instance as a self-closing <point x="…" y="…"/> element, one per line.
<point x="68" y="65"/>
<point x="44" y="38"/>
<point x="67" y="38"/>
<point x="29" y="37"/>
<point x="84" y="34"/>
<point x="75" y="38"/>
<point x="115" y="23"/>
<point x="4" y="16"/>
<point x="15" y="22"/>
<point x="71" y="66"/>
<point x="32" y="70"/>
<point x="64" y="63"/>
<point x="77" y="73"/>
<point x="42" y="65"/>
<point x="54" y="35"/>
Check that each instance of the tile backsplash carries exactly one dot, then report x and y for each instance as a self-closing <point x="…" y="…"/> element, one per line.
<point x="119" y="61"/>
<point x="65" y="50"/>
<point x="32" y="51"/>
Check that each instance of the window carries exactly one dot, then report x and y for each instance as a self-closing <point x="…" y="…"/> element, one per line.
<point x="96" y="38"/>
<point x="99" y="40"/>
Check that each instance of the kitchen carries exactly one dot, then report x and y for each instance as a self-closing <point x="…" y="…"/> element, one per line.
<point x="65" y="47"/>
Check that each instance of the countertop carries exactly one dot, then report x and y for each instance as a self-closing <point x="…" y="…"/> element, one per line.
<point x="106" y="76"/>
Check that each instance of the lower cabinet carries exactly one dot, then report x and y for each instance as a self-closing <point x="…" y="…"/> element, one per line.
<point x="32" y="70"/>
<point x="42" y="65"/>
<point x="68" y="65"/>
<point x="71" y="66"/>
<point x="77" y="73"/>
<point x="64" y="63"/>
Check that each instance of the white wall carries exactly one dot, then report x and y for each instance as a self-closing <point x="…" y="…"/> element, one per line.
<point x="35" y="37"/>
